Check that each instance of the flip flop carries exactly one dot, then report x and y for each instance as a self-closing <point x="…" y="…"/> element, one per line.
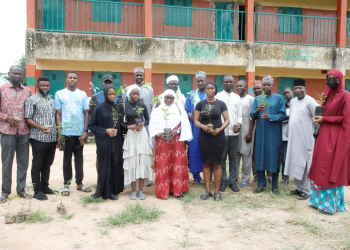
<point x="84" y="189"/>
<point x="194" y="182"/>
<point x="3" y="199"/>
<point x="302" y="196"/>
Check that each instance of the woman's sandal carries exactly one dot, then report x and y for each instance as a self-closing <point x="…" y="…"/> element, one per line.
<point x="85" y="189"/>
<point x="302" y="196"/>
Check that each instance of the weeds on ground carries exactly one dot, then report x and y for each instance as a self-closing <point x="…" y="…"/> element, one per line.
<point x="135" y="214"/>
<point x="78" y="245"/>
<point x="184" y="242"/>
<point x="104" y="231"/>
<point x="67" y="216"/>
<point x="93" y="185"/>
<point x="88" y="199"/>
<point x="39" y="216"/>
<point x="314" y="228"/>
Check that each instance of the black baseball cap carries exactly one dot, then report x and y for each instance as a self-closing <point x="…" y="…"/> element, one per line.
<point x="107" y="77"/>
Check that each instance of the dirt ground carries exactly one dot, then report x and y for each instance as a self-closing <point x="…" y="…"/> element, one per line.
<point x="241" y="221"/>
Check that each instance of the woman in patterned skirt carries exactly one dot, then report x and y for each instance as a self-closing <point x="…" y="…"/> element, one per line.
<point x="170" y="153"/>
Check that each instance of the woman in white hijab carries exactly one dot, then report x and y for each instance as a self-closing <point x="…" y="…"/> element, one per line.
<point x="137" y="153"/>
<point x="171" y="165"/>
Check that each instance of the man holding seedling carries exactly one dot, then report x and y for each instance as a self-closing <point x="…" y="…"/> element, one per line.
<point x="40" y="115"/>
<point x="269" y="111"/>
<point x="14" y="133"/>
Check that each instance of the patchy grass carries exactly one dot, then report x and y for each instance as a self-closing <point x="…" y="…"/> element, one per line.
<point x="93" y="185"/>
<point x="39" y="216"/>
<point x="88" y="200"/>
<point x="68" y="216"/>
<point x="184" y="242"/>
<point x="135" y="214"/>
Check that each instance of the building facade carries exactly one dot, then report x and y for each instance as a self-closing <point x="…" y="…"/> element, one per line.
<point x="248" y="39"/>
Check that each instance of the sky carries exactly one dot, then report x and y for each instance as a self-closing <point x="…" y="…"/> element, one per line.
<point x="13" y="21"/>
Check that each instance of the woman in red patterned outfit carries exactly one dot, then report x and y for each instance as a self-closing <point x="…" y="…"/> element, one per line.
<point x="170" y="153"/>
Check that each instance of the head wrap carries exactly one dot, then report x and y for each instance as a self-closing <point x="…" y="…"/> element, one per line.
<point x="130" y="88"/>
<point x="139" y="70"/>
<point x="201" y="74"/>
<point x="42" y="79"/>
<point x="212" y="83"/>
<point x="172" y="78"/>
<point x="177" y="115"/>
<point x="105" y="93"/>
<point x="268" y="79"/>
<point x="330" y="93"/>
<point x="257" y="83"/>
<point x="299" y="82"/>
<point x="107" y="77"/>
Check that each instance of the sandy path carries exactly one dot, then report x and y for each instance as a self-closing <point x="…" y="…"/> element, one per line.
<point x="241" y="221"/>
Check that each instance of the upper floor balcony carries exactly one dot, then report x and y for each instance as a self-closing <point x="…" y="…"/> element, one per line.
<point x="220" y="23"/>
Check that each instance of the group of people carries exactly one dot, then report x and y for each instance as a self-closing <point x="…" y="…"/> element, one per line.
<point x="142" y="140"/>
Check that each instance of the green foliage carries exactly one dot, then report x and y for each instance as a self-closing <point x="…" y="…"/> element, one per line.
<point x="5" y="75"/>
<point x="115" y="117"/>
<point x="135" y="214"/>
<point x="139" y="111"/>
<point x="321" y="99"/>
<point x="166" y="116"/>
<point x="263" y="100"/>
<point x="157" y="99"/>
<point x="207" y="111"/>
<point x="22" y="62"/>
<point x="121" y="91"/>
<point x="39" y="216"/>
<point x="192" y="96"/>
<point x="9" y="199"/>
<point x="88" y="200"/>
<point x="68" y="126"/>
<point x="93" y="88"/>
<point x="67" y="216"/>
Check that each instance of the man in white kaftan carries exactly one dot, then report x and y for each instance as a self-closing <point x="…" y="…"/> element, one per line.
<point x="300" y="139"/>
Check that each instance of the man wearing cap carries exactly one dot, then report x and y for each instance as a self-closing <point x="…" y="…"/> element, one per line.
<point x="300" y="139"/>
<point x="40" y="115"/>
<point x="146" y="92"/>
<point x="268" y="134"/>
<point x="173" y="84"/>
<point x="194" y="153"/>
<point x="99" y="97"/>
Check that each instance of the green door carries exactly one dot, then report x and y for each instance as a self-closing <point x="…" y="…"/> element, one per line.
<point x="218" y="81"/>
<point x="57" y="80"/>
<point x="347" y="85"/>
<point x="98" y="75"/>
<point x="53" y="17"/>
<point x="185" y="82"/>
<point x="225" y="21"/>
<point x="285" y="82"/>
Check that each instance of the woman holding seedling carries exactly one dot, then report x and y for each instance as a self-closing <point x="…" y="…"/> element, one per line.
<point x="105" y="124"/>
<point x="211" y="139"/>
<point x="169" y="128"/>
<point x="137" y="153"/>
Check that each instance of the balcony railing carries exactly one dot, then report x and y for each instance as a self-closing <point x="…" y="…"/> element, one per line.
<point x="198" y="23"/>
<point x="348" y="33"/>
<point x="90" y="16"/>
<point x="295" y="29"/>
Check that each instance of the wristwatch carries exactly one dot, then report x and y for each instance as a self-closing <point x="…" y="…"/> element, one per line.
<point x="86" y="130"/>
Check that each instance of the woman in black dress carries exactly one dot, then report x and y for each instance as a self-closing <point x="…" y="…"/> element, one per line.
<point x="211" y="142"/>
<point x="105" y="124"/>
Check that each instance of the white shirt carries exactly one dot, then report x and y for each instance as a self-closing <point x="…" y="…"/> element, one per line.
<point x="234" y="107"/>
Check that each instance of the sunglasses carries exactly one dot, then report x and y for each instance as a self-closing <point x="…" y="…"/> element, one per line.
<point x="332" y="79"/>
<point x="169" y="98"/>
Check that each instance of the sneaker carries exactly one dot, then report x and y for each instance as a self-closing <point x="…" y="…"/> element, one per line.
<point x="243" y="184"/>
<point x="49" y="191"/>
<point x="217" y="197"/>
<point x="133" y="195"/>
<point x="259" y="190"/>
<point x="40" y="196"/>
<point x="141" y="195"/>
<point x="234" y="187"/>
<point x="114" y="197"/>
<point x="275" y="191"/>
<point x="222" y="187"/>
<point x="206" y="195"/>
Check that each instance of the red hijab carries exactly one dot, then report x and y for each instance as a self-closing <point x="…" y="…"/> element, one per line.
<point x="330" y="93"/>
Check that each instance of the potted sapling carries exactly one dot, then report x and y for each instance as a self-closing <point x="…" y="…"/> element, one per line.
<point x="157" y="100"/>
<point x="46" y="103"/>
<point x="28" y="212"/>
<point x="67" y="128"/>
<point x="166" y="117"/>
<point x="320" y="101"/>
<point x="207" y="113"/>
<point x="60" y="207"/>
<point x="10" y="217"/>
<point x="263" y="100"/>
<point x="192" y="96"/>
<point x="139" y="110"/>
<point x="94" y="91"/>
<point x="235" y="125"/>
<point x="115" y="118"/>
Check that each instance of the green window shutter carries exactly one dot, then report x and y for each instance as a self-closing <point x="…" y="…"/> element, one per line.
<point x="177" y="15"/>
<point x="185" y="82"/>
<point x="347" y="85"/>
<point x="225" y="21"/>
<point x="107" y="12"/>
<point x="57" y="80"/>
<point x="285" y="82"/>
<point x="290" y="24"/>
<point x="218" y="81"/>
<point x="348" y="24"/>
<point x="98" y="75"/>
<point x="53" y="17"/>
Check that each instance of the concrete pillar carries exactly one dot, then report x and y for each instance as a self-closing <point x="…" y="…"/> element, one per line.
<point x="31" y="14"/>
<point x="30" y="72"/>
<point x="250" y="78"/>
<point x="148" y="18"/>
<point x="341" y="26"/>
<point x="249" y="8"/>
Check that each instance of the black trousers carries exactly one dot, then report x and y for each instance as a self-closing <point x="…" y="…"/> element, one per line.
<point x="43" y="156"/>
<point x="73" y="147"/>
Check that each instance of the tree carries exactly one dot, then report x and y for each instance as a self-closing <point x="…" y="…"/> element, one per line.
<point x="22" y="63"/>
<point x="5" y="76"/>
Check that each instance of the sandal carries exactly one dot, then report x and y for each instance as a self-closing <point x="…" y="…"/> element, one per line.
<point x="285" y="183"/>
<point x="302" y="196"/>
<point x="194" y="182"/>
<point x="65" y="191"/>
<point x="85" y="189"/>
<point x="25" y="196"/>
<point x="3" y="199"/>
<point x="294" y="192"/>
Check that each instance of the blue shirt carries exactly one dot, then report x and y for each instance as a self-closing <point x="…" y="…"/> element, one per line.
<point x="73" y="105"/>
<point x="101" y="98"/>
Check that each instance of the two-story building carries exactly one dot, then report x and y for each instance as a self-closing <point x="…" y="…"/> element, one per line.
<point x="248" y="39"/>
